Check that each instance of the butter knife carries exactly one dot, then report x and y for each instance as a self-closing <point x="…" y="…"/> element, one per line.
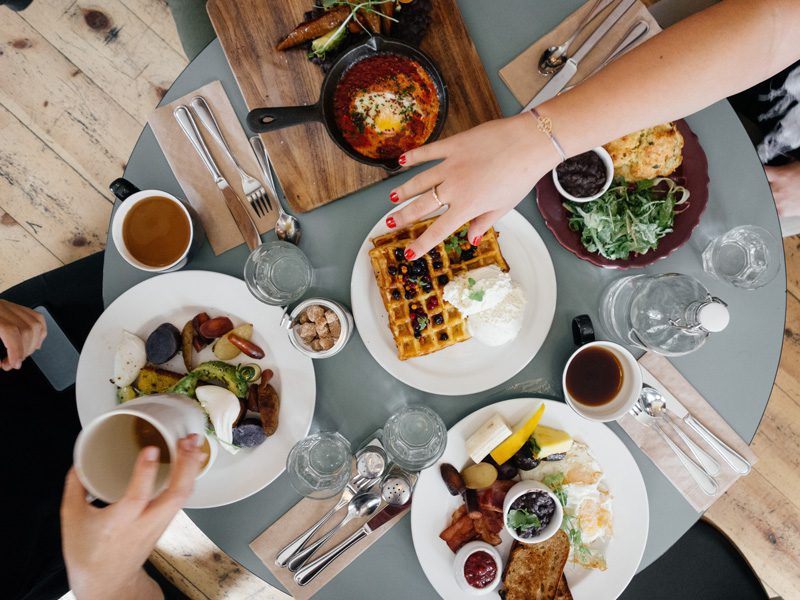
<point x="735" y="461"/>
<point x="236" y="206"/>
<point x="560" y="80"/>
<point x="305" y="575"/>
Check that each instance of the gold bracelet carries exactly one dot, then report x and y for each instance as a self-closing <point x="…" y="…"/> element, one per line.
<point x="545" y="125"/>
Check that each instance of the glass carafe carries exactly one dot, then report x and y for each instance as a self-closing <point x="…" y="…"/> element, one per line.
<point x="670" y="314"/>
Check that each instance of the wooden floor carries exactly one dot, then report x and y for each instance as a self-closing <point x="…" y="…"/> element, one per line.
<point x="77" y="81"/>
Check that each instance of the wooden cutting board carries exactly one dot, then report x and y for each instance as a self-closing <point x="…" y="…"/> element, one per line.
<point x="312" y="170"/>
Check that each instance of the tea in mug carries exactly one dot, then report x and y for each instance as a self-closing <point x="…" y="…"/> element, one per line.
<point x="156" y="231"/>
<point x="147" y="435"/>
<point x="594" y="376"/>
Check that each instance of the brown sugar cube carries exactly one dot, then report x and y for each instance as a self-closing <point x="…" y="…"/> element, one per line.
<point x="322" y="329"/>
<point x="302" y="317"/>
<point x="331" y="317"/>
<point x="335" y="329"/>
<point x="316" y="345"/>
<point x="308" y="331"/>
<point x="326" y="342"/>
<point x="315" y="313"/>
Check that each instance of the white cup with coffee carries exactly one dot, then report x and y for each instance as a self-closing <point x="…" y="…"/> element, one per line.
<point x="106" y="450"/>
<point x="602" y="381"/>
<point x="153" y="231"/>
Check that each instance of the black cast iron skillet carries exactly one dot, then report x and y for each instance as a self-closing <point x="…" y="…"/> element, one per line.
<point x="261" y="120"/>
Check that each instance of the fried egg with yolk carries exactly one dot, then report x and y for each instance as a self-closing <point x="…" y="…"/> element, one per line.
<point x="588" y="500"/>
<point x="384" y="111"/>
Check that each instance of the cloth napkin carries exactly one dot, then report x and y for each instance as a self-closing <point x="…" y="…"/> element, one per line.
<point x="522" y="75"/>
<point x="193" y="177"/>
<point x="667" y="378"/>
<point x="301" y="516"/>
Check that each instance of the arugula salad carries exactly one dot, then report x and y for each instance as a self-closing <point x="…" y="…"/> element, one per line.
<point x="630" y="218"/>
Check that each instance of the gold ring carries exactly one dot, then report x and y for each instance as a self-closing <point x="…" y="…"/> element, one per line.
<point x="436" y="196"/>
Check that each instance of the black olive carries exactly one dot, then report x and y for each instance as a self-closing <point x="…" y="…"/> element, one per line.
<point x="524" y="460"/>
<point x="507" y="470"/>
<point x="557" y="456"/>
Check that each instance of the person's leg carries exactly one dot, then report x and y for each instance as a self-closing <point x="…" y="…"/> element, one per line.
<point x="41" y="431"/>
<point x="194" y="26"/>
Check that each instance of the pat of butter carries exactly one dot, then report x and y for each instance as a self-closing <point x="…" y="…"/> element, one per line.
<point x="487" y="438"/>
<point x="551" y="441"/>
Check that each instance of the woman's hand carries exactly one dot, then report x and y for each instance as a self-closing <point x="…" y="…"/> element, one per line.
<point x="105" y="548"/>
<point x="785" y="184"/>
<point x="485" y="172"/>
<point x="22" y="332"/>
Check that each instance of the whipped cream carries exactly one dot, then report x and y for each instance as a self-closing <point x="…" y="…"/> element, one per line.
<point x="478" y="290"/>
<point x="501" y="324"/>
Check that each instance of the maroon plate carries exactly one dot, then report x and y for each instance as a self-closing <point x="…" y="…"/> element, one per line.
<point x="692" y="174"/>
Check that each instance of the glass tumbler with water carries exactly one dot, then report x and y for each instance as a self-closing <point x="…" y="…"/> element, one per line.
<point x="278" y="273"/>
<point x="320" y="465"/>
<point x="415" y="437"/>
<point x="747" y="257"/>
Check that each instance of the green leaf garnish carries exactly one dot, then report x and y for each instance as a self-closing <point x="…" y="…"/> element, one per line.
<point x="476" y="295"/>
<point x="523" y="519"/>
<point x="553" y="480"/>
<point x="470" y="281"/>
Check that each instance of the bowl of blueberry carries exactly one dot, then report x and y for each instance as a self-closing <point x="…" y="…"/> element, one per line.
<point x="531" y="512"/>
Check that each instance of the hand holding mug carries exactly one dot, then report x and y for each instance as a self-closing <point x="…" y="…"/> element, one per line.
<point x="105" y="548"/>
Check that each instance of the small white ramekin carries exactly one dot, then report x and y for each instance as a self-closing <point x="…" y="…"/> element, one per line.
<point x="522" y="488"/>
<point x="463" y="554"/>
<point x="609" y="164"/>
<point x="345" y="320"/>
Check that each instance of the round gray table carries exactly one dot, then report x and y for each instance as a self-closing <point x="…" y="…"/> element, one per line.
<point x="735" y="370"/>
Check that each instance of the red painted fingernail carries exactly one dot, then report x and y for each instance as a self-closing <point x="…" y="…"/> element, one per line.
<point x="394" y="197"/>
<point x="390" y="222"/>
<point x="402" y="159"/>
<point x="476" y="241"/>
<point x="409" y="254"/>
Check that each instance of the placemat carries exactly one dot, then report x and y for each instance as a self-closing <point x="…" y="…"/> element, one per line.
<point x="522" y="75"/>
<point x="302" y="515"/>
<point x="193" y="177"/>
<point x="668" y="379"/>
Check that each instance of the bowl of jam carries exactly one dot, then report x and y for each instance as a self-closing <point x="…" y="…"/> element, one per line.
<point x="585" y="177"/>
<point x="478" y="568"/>
<point x="531" y="512"/>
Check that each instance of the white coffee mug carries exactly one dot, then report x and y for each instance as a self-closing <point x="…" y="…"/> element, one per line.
<point x="119" y="218"/>
<point x="107" y="448"/>
<point x="626" y="397"/>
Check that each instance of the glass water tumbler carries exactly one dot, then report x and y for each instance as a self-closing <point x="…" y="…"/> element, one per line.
<point x="747" y="257"/>
<point x="415" y="437"/>
<point x="278" y="273"/>
<point x="320" y="465"/>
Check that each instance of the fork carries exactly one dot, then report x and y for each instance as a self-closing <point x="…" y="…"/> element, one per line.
<point x="253" y="190"/>
<point x="355" y="485"/>
<point x="707" y="483"/>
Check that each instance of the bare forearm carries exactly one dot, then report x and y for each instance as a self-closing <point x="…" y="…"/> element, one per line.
<point x="137" y="587"/>
<point x="709" y="56"/>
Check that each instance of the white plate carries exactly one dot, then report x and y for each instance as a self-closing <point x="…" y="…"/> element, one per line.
<point x="175" y="298"/>
<point x="468" y="367"/>
<point x="433" y="505"/>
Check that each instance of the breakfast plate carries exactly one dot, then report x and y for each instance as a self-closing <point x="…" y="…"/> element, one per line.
<point x="433" y="505"/>
<point x="176" y="298"/>
<point x="467" y="367"/>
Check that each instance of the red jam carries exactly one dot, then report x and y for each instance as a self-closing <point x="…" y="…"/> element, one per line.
<point x="480" y="569"/>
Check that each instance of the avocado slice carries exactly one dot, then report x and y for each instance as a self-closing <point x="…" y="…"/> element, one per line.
<point x="214" y="371"/>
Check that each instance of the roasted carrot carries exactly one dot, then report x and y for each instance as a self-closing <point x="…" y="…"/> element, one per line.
<point x="311" y="30"/>
<point x="387" y="9"/>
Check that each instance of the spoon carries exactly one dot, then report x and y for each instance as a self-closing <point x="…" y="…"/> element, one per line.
<point x="655" y="406"/>
<point x="287" y="227"/>
<point x="362" y="505"/>
<point x="555" y="56"/>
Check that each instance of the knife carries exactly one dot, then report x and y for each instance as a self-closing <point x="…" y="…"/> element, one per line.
<point x="730" y="456"/>
<point x="236" y="205"/>
<point x="560" y="80"/>
<point x="305" y="575"/>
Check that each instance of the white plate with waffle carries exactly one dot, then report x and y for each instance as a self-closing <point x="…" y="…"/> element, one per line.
<point x="467" y="367"/>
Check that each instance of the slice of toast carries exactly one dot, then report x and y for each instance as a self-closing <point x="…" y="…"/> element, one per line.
<point x="563" y="593"/>
<point x="534" y="571"/>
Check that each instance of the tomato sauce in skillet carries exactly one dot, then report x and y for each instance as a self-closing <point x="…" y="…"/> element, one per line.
<point x="386" y="104"/>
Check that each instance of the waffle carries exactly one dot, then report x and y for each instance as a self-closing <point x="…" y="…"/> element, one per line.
<point x="419" y="318"/>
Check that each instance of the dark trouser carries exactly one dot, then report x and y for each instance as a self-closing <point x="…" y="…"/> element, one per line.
<point x="39" y="430"/>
